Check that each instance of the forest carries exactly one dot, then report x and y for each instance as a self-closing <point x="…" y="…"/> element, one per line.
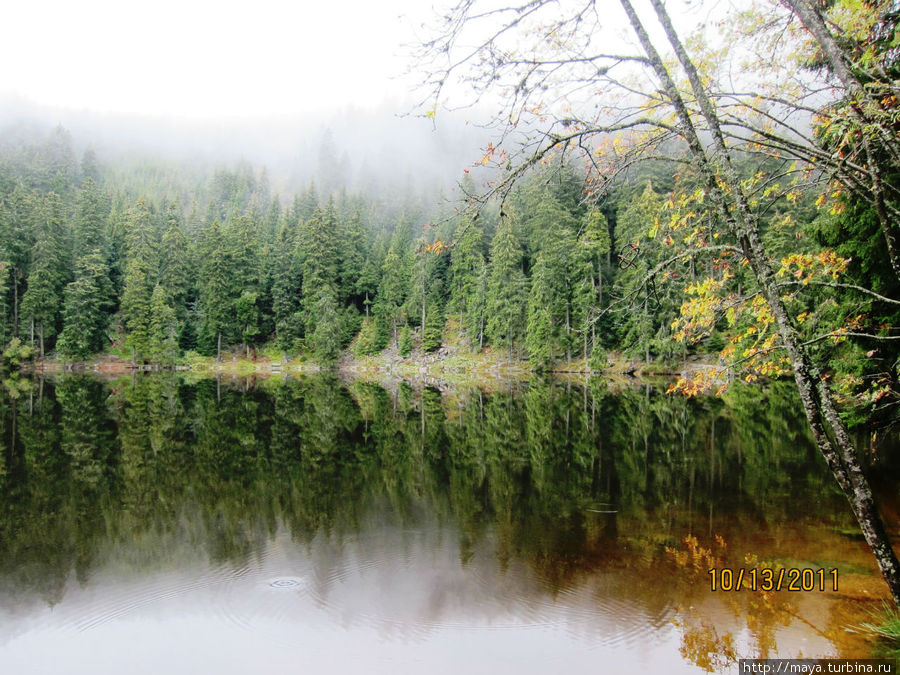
<point x="150" y="264"/>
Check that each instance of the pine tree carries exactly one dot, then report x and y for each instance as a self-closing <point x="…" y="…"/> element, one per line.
<point x="141" y="272"/>
<point x="287" y="283"/>
<point x="466" y="265"/>
<point x="639" y="252"/>
<point x="43" y="301"/>
<point x="588" y="262"/>
<point x="242" y="259"/>
<point x="162" y="341"/>
<point x="5" y="324"/>
<point x="91" y="215"/>
<point x="405" y="341"/>
<point x="18" y="214"/>
<point x="89" y="298"/>
<point x="321" y="268"/>
<point x="353" y="244"/>
<point x="507" y="289"/>
<point x="214" y="292"/>
<point x="87" y="304"/>
<point x="391" y="294"/>
<point x="325" y="338"/>
<point x="434" y="326"/>
<point x="175" y="275"/>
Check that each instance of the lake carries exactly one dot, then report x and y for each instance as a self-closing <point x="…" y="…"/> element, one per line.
<point x="157" y="524"/>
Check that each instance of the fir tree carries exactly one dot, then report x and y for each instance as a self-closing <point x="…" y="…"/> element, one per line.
<point x="162" y="341"/>
<point x="507" y="290"/>
<point x="49" y="270"/>
<point x="391" y="294"/>
<point x="141" y="273"/>
<point x="87" y="303"/>
<point x="466" y="265"/>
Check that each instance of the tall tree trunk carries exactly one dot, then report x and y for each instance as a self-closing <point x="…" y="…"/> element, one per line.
<point x="423" y="307"/>
<point x="15" y="303"/>
<point x="42" y="339"/>
<point x="816" y="397"/>
<point x="219" y="348"/>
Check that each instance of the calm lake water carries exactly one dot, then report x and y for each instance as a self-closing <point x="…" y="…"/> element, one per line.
<point x="153" y="525"/>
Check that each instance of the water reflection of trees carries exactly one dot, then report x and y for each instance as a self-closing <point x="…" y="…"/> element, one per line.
<point x="566" y="479"/>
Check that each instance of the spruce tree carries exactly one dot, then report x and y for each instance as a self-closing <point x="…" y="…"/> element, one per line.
<point x="287" y="282"/>
<point x="162" y="340"/>
<point x="18" y="214"/>
<point x="507" y="289"/>
<point x="141" y="272"/>
<point x="466" y="265"/>
<point x="391" y="294"/>
<point x="215" y="285"/>
<point x="49" y="269"/>
<point x="87" y="304"/>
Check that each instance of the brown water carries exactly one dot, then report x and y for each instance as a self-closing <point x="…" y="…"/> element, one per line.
<point x="153" y="525"/>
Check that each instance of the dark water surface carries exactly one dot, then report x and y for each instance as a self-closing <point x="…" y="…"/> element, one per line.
<point x="153" y="525"/>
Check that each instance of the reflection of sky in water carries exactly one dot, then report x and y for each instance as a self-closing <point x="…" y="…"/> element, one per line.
<point x="388" y="600"/>
<point x="398" y="601"/>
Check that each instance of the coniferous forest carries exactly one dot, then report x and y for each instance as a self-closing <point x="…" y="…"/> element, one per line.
<point x="100" y="259"/>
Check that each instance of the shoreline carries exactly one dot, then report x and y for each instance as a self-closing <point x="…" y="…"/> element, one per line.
<point x="440" y="370"/>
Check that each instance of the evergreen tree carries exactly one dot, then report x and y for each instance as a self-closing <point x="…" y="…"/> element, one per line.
<point x="141" y="272"/>
<point x="321" y="267"/>
<point x="162" y="340"/>
<point x="434" y="326"/>
<point x="353" y="245"/>
<point x="49" y="270"/>
<point x="507" y="289"/>
<point x="175" y="275"/>
<point x="287" y="283"/>
<point x="644" y="328"/>
<point x="18" y="214"/>
<point x="215" y="285"/>
<point x="325" y="338"/>
<point x="391" y="295"/>
<point x="466" y="266"/>
<point x="242" y="259"/>
<point x="91" y="214"/>
<point x="591" y="256"/>
<point x="87" y="304"/>
<point x="405" y="341"/>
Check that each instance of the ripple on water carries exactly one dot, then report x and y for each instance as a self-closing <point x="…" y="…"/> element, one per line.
<point x="287" y="582"/>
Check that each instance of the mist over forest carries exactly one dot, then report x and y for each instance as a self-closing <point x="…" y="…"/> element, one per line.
<point x="381" y="150"/>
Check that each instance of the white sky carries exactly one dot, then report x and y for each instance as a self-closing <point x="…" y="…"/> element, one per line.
<point x="205" y="58"/>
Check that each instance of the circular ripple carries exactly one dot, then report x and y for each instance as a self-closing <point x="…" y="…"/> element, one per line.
<point x="287" y="582"/>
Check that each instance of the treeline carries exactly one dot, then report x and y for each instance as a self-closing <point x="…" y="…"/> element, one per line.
<point x="93" y="260"/>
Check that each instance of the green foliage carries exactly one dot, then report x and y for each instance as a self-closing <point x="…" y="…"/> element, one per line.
<point x="325" y="338"/>
<point x="49" y="271"/>
<point x="389" y="305"/>
<point x="468" y="280"/>
<point x="434" y="327"/>
<point x="405" y="343"/>
<point x="367" y="340"/>
<point x="87" y="304"/>
<point x="16" y="352"/>
<point x="507" y="289"/>
<point x="162" y="339"/>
